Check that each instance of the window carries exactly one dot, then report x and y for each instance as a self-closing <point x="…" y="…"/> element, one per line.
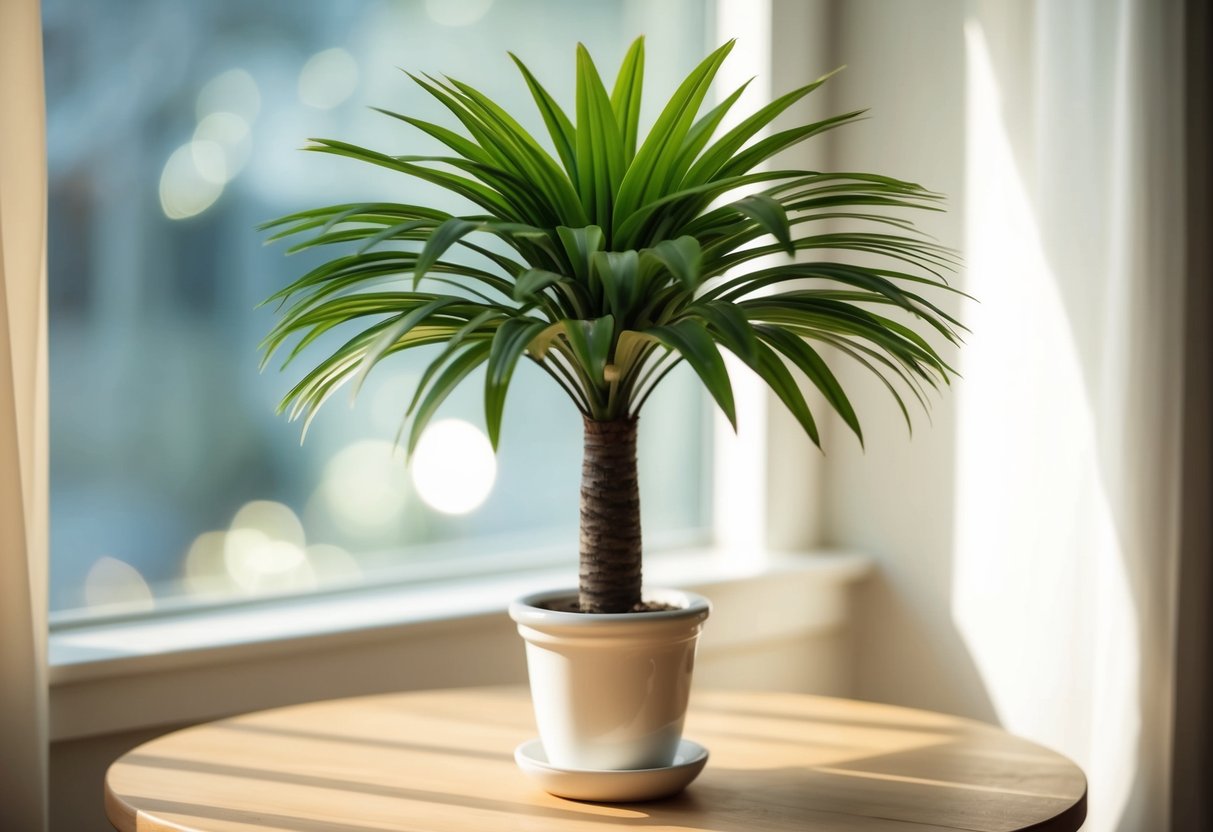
<point x="173" y="130"/>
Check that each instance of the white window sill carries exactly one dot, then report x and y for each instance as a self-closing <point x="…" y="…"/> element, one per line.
<point x="191" y="666"/>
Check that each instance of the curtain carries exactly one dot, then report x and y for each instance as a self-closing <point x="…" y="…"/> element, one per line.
<point x="1069" y="418"/>
<point x="1029" y="538"/>
<point x="23" y="420"/>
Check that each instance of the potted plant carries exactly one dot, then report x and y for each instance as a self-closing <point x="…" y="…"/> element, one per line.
<point x="628" y="254"/>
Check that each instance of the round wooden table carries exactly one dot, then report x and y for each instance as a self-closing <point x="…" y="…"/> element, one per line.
<point x="442" y="760"/>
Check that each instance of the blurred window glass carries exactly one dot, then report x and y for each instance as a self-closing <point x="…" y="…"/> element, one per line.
<point x="173" y="130"/>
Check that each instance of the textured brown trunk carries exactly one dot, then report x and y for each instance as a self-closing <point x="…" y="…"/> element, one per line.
<point x="610" y="518"/>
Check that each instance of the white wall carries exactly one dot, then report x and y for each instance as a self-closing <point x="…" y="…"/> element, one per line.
<point x="906" y="64"/>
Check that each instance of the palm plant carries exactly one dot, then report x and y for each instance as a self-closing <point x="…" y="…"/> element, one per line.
<point x="626" y="256"/>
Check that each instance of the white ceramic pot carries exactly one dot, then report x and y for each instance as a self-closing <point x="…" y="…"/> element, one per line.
<point x="610" y="691"/>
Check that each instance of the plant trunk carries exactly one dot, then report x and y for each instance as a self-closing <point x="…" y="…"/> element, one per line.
<point x="610" y="518"/>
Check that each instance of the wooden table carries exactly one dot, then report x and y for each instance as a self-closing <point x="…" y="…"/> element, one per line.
<point x="442" y="760"/>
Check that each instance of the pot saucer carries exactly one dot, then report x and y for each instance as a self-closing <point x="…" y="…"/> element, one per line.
<point x="626" y="786"/>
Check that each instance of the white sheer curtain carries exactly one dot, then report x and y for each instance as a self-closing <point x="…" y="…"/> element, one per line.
<point x="23" y="469"/>
<point x="1068" y="454"/>
<point x="1028" y="538"/>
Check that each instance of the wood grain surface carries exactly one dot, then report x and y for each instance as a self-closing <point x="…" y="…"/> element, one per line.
<point x="442" y="760"/>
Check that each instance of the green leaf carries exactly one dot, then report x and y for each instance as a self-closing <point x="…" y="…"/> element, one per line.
<point x="729" y="325"/>
<point x="812" y="365"/>
<point x="382" y="213"/>
<point x="468" y="188"/>
<point x="579" y="246"/>
<point x="443" y="237"/>
<point x="569" y="299"/>
<point x="591" y="343"/>
<point x="399" y="231"/>
<point x="558" y="124"/>
<point x="854" y="350"/>
<point x="472" y="357"/>
<point x="629" y="233"/>
<point x="649" y="173"/>
<point x="727" y="146"/>
<point x="306" y="398"/>
<point x="546" y="339"/>
<point x="700" y="134"/>
<point x="769" y="214"/>
<point x="463" y="146"/>
<point x="683" y="258"/>
<point x="529" y="203"/>
<point x="473" y="328"/>
<point x="814" y="320"/>
<point x="509" y="343"/>
<point x="519" y="151"/>
<point x="619" y="273"/>
<point x="771" y="369"/>
<point x="373" y="264"/>
<point x="625" y="97"/>
<point x="600" y="159"/>
<point x="728" y="255"/>
<point x="398" y="330"/>
<point x="764" y="149"/>
<point x="533" y="281"/>
<point x="691" y="340"/>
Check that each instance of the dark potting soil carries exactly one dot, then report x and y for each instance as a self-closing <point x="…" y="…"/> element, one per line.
<point x="571" y="605"/>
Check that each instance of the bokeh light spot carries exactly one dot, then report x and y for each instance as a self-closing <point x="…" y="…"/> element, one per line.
<point x="454" y="467"/>
<point x="365" y="486"/>
<point x="233" y="91"/>
<point x="186" y="190"/>
<point x="457" y="12"/>
<point x="205" y="571"/>
<point x="230" y="133"/>
<point x="332" y="564"/>
<point x="210" y="161"/>
<point x="260" y="564"/>
<point x="274" y="520"/>
<point x="328" y="79"/>
<point x="117" y="585"/>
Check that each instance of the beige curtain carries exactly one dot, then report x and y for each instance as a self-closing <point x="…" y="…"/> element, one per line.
<point x="23" y="420"/>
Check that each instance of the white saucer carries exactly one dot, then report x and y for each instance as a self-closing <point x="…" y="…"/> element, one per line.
<point x="612" y="786"/>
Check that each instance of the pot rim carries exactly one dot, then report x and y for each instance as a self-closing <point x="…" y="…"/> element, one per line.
<point x="690" y="605"/>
